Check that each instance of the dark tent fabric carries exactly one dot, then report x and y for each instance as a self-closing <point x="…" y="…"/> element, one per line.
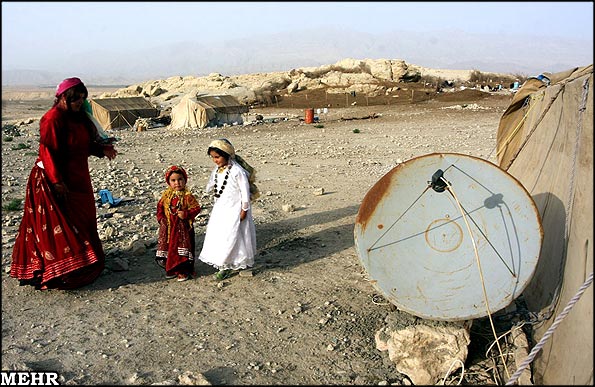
<point x="115" y="113"/>
<point x="545" y="140"/>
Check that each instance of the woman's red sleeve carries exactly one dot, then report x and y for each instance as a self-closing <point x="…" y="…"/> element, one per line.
<point x="49" y="146"/>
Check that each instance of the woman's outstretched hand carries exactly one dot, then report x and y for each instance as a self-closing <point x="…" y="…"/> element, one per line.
<point x="110" y="152"/>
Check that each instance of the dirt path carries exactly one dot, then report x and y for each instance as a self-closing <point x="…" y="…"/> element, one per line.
<point x="308" y="313"/>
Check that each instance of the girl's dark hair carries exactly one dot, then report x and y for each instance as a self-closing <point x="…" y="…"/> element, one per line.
<point x="221" y="153"/>
<point x="73" y="93"/>
<point x="177" y="172"/>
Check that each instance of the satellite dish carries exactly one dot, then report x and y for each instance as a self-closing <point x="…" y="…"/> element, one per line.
<point x="414" y="241"/>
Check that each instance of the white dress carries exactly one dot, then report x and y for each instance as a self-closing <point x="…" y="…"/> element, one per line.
<point x="229" y="243"/>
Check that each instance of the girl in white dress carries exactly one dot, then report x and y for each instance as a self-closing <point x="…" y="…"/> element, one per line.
<point x="230" y="237"/>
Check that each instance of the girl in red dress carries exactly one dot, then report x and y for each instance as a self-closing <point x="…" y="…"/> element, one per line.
<point x="57" y="245"/>
<point x="176" y="211"/>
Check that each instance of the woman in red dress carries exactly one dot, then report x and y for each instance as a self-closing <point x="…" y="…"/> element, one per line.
<point x="176" y="211"/>
<point x="57" y="245"/>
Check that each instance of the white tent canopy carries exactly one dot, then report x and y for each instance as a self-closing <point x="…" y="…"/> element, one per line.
<point x="207" y="110"/>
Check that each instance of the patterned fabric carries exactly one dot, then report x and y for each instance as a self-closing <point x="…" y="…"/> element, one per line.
<point x="176" y="236"/>
<point x="57" y="245"/>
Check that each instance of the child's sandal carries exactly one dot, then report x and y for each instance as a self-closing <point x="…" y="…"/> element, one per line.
<point x="222" y="274"/>
<point x="183" y="277"/>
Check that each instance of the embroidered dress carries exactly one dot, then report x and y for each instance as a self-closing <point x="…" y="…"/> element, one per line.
<point x="176" y="236"/>
<point x="229" y="243"/>
<point x="57" y="245"/>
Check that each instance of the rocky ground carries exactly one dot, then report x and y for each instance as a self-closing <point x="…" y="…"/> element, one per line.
<point x="306" y="314"/>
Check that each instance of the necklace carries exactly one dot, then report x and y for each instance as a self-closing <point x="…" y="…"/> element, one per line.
<point x="217" y="194"/>
<point x="177" y="198"/>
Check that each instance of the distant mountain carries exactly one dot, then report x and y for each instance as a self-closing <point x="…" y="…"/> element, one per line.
<point x="312" y="48"/>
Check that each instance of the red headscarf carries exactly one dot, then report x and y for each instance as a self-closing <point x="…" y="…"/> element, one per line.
<point x="176" y="169"/>
<point x="67" y="84"/>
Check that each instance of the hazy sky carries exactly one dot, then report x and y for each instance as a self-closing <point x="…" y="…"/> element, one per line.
<point x="33" y="32"/>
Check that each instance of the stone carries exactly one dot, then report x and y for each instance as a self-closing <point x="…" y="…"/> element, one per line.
<point x="426" y="350"/>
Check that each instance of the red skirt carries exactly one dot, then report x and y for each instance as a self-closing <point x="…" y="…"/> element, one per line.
<point x="177" y="248"/>
<point x="57" y="245"/>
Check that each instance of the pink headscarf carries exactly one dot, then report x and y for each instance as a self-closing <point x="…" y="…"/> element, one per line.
<point x="67" y="84"/>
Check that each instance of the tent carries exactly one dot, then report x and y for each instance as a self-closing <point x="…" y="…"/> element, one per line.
<point x="114" y="113"/>
<point x="207" y="110"/>
<point x="545" y="140"/>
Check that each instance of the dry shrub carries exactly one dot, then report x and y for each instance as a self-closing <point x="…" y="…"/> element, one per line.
<point x="431" y="80"/>
<point x="477" y="76"/>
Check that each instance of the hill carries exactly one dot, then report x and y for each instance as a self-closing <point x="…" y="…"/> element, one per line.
<point x="367" y="81"/>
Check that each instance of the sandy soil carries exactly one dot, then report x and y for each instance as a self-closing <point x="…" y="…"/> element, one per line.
<point x="306" y="315"/>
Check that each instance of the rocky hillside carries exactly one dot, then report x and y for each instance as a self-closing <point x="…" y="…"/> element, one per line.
<point x="372" y="77"/>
